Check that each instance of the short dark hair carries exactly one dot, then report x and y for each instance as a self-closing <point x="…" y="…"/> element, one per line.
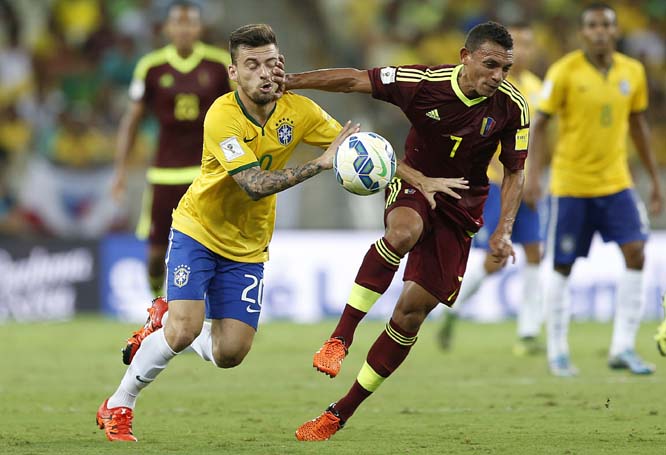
<point x="183" y="4"/>
<point x="488" y="31"/>
<point x="251" y="35"/>
<point x="596" y="6"/>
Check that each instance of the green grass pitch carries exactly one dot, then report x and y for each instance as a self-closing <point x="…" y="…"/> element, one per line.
<point x="477" y="399"/>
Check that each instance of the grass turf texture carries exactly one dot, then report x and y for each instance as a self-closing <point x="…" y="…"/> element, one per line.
<point x="476" y="399"/>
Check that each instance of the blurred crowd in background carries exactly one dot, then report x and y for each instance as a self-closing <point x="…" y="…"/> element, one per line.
<point x="65" y="66"/>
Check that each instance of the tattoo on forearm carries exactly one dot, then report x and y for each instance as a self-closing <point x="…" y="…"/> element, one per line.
<point x="259" y="183"/>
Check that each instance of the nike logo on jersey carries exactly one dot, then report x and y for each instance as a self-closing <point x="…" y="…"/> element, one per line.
<point x="252" y="310"/>
<point x="246" y="140"/>
<point x="433" y="114"/>
<point x="144" y="380"/>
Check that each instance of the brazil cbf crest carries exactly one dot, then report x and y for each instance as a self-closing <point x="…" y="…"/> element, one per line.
<point x="624" y="87"/>
<point x="285" y="130"/>
<point x="181" y="275"/>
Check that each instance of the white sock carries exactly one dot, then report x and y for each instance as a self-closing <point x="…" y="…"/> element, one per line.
<point x="530" y="313"/>
<point x="628" y="311"/>
<point x="557" y="310"/>
<point x="149" y="361"/>
<point x="470" y="285"/>
<point x="203" y="344"/>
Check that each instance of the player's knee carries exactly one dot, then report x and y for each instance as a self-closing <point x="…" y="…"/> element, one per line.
<point x="228" y="360"/>
<point x="634" y="257"/>
<point x="410" y="318"/>
<point x="402" y="237"/>
<point x="180" y="336"/>
<point x="229" y="354"/>
<point x="532" y="253"/>
<point x="410" y="321"/>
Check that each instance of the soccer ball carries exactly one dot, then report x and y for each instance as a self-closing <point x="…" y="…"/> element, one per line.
<point x="364" y="163"/>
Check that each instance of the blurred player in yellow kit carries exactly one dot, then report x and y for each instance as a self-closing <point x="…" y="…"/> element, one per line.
<point x="526" y="230"/>
<point x="599" y="96"/>
<point x="177" y="83"/>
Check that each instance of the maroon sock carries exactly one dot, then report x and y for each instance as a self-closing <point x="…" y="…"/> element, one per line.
<point x="376" y="273"/>
<point x="347" y="324"/>
<point x="385" y="356"/>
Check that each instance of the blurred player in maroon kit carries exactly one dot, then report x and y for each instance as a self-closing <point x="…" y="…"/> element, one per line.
<point x="178" y="83"/>
<point x="459" y="115"/>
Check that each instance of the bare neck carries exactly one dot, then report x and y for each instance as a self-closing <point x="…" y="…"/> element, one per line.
<point x="466" y="85"/>
<point x="602" y="62"/>
<point x="184" y="52"/>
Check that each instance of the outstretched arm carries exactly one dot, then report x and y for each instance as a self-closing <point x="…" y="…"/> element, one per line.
<point x="430" y="186"/>
<point x="258" y="183"/>
<point x="500" y="240"/>
<point x="331" y="80"/>
<point x="640" y="134"/>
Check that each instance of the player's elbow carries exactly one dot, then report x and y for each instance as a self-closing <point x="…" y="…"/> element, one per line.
<point x="254" y="195"/>
<point x="250" y="189"/>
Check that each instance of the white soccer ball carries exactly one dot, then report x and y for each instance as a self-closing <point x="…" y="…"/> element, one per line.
<point x="364" y="163"/>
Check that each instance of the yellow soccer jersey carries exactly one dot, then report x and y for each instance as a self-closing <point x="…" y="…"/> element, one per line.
<point x="216" y="211"/>
<point x="590" y="158"/>
<point x="529" y="85"/>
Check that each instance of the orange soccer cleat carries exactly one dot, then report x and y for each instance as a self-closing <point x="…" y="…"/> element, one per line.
<point x="321" y="428"/>
<point x="154" y="322"/>
<point x="116" y="422"/>
<point x="328" y="359"/>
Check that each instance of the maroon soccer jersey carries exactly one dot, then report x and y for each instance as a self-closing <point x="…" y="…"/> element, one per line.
<point x="179" y="92"/>
<point x="453" y="136"/>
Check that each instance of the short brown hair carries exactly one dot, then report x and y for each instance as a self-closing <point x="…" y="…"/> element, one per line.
<point x="251" y="35"/>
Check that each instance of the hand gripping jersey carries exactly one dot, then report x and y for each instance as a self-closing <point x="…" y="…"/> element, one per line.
<point x="216" y="211"/>
<point x="452" y="135"/>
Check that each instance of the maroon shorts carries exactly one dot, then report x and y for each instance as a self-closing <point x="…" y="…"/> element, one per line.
<point x="438" y="260"/>
<point x="165" y="199"/>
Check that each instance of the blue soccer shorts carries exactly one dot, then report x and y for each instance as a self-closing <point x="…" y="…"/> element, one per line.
<point x="619" y="217"/>
<point x="230" y="289"/>
<point x="525" y="228"/>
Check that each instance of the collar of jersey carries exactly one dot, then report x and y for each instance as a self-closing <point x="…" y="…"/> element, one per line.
<point x="597" y="70"/>
<point x="249" y="117"/>
<point x="185" y="65"/>
<point x="458" y="91"/>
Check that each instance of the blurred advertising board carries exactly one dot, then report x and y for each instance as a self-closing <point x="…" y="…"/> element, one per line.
<point x="124" y="289"/>
<point x="47" y="279"/>
<point x="311" y="272"/>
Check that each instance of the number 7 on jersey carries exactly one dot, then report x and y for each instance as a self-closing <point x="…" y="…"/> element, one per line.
<point x="457" y="140"/>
